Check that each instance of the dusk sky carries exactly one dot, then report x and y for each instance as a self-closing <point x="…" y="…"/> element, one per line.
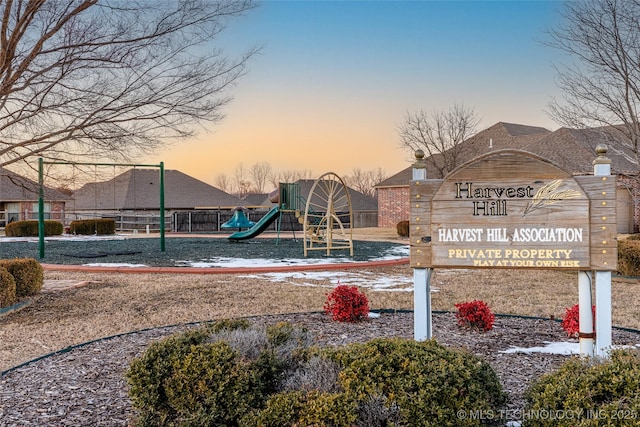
<point x="336" y="78"/>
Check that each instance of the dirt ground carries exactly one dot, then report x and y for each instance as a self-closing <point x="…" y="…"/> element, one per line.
<point x="109" y="304"/>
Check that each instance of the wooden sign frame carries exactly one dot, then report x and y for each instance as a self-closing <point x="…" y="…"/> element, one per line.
<point x="513" y="209"/>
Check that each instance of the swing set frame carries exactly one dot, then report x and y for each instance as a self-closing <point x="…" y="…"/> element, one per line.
<point x="42" y="162"/>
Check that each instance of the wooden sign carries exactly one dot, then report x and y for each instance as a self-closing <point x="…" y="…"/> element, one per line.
<point x="512" y="209"/>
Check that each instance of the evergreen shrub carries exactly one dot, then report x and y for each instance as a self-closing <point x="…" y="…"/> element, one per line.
<point x="29" y="228"/>
<point x="425" y="382"/>
<point x="403" y="228"/>
<point x="27" y="273"/>
<point x="7" y="288"/>
<point x="593" y="391"/>
<point x="385" y="382"/>
<point x="213" y="376"/>
<point x="210" y="376"/>
<point x="629" y="257"/>
<point x="88" y="227"/>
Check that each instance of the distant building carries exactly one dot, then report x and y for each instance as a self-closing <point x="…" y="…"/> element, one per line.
<point x="19" y="199"/>
<point x="257" y="200"/>
<point x="133" y="198"/>
<point x="570" y="149"/>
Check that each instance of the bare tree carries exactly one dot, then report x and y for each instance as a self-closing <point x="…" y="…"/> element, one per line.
<point x="602" y="88"/>
<point x="290" y="175"/>
<point x="110" y="78"/>
<point x="439" y="134"/>
<point x="260" y="173"/>
<point x="222" y="182"/>
<point x="240" y="182"/>
<point x="364" y="181"/>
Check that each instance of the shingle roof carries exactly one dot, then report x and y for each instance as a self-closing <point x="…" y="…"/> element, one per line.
<point x="571" y="149"/>
<point x="359" y="201"/>
<point x="257" y="199"/>
<point x="140" y="189"/>
<point x="501" y="135"/>
<point x="17" y="188"/>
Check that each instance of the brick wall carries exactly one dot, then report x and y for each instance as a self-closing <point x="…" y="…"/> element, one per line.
<point x="393" y="206"/>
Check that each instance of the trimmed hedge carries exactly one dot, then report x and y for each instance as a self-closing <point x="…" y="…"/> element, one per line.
<point x="589" y="392"/>
<point x="7" y="288"/>
<point x="88" y="227"/>
<point x="29" y="228"/>
<point x="271" y="377"/>
<point x="210" y="376"/>
<point x="27" y="273"/>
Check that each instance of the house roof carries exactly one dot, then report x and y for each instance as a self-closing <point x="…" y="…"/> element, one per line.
<point x="571" y="149"/>
<point x="140" y="189"/>
<point x="17" y="188"/>
<point x="257" y="199"/>
<point x="359" y="201"/>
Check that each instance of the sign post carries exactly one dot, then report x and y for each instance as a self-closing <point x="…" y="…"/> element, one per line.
<point x="513" y="209"/>
<point x="602" y="168"/>
<point x="422" y="326"/>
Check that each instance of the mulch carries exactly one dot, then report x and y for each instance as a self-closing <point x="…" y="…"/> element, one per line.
<point x="85" y="385"/>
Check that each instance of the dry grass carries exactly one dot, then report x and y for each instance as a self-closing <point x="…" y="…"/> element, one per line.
<point x="118" y="303"/>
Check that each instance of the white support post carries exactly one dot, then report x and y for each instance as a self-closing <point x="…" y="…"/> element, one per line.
<point x="602" y="167"/>
<point x="603" y="313"/>
<point x="586" y="314"/>
<point x="422" y="329"/>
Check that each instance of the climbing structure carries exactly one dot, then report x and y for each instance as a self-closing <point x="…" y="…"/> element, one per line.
<point x="328" y="217"/>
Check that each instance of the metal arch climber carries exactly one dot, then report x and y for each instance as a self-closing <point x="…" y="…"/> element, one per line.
<point x="328" y="216"/>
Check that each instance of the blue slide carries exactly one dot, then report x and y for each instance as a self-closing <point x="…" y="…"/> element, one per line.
<point x="259" y="227"/>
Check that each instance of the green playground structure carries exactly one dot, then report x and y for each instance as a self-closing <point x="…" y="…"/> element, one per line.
<point x="258" y="227"/>
<point x="288" y="199"/>
<point x="326" y="220"/>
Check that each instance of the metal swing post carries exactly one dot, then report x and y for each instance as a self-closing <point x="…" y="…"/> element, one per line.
<point x="162" y="241"/>
<point x="41" y="206"/>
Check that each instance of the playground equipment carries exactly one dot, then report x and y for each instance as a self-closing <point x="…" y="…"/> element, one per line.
<point x="327" y="220"/>
<point x="258" y="227"/>
<point x="42" y="163"/>
<point x="328" y="216"/>
<point x="287" y="197"/>
<point x="239" y="220"/>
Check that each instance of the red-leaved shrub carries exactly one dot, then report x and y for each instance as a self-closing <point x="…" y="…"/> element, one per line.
<point x="475" y="314"/>
<point x="571" y="320"/>
<point x="346" y="304"/>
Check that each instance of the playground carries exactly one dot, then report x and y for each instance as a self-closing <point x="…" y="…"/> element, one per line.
<point x="213" y="251"/>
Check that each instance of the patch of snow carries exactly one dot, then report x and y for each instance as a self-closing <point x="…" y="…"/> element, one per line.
<point x="259" y="262"/>
<point x="394" y="253"/>
<point x="363" y="279"/>
<point x="562" y="347"/>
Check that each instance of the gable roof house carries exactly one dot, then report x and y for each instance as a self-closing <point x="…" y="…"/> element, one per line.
<point x="571" y="149"/>
<point x="139" y="190"/>
<point x="136" y="193"/>
<point x="19" y="199"/>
